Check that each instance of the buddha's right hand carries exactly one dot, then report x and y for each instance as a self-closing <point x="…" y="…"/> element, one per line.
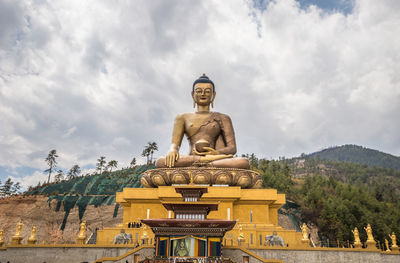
<point x="171" y="158"/>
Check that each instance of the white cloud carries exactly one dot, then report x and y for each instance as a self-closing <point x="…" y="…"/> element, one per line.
<point x="30" y="180"/>
<point x="98" y="78"/>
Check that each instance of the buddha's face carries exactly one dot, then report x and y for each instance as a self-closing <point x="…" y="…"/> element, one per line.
<point x="203" y="94"/>
<point x="182" y="245"/>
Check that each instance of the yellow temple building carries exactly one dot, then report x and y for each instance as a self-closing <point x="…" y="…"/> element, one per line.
<point x="254" y="210"/>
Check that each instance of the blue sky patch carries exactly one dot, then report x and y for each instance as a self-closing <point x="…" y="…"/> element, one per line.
<point x="342" y="6"/>
<point x="22" y="171"/>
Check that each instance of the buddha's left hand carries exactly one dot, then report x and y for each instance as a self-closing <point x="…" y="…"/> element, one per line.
<point x="208" y="151"/>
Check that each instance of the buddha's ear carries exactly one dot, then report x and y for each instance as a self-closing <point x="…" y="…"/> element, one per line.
<point x="213" y="98"/>
<point x="194" y="100"/>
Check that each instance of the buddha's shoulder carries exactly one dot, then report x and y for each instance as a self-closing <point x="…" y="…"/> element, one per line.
<point x="222" y="116"/>
<point x="184" y="115"/>
<point x="189" y="115"/>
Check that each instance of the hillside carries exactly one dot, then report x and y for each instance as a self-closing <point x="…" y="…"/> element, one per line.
<point x="95" y="189"/>
<point x="35" y="210"/>
<point x="357" y="154"/>
<point x="58" y="208"/>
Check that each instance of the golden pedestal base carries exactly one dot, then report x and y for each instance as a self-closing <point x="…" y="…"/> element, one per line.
<point x="31" y="241"/>
<point x="16" y="240"/>
<point x="357" y="245"/>
<point x="201" y="175"/>
<point x="395" y="250"/>
<point x="371" y="245"/>
<point x="305" y="243"/>
<point x="81" y="240"/>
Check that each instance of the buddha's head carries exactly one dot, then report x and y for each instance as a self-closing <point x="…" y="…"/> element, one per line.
<point x="203" y="91"/>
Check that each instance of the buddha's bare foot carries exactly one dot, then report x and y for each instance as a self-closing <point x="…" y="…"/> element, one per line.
<point x="226" y="162"/>
<point x="210" y="158"/>
<point x="238" y="162"/>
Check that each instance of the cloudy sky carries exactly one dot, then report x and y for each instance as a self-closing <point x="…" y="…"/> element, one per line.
<point x="93" y="78"/>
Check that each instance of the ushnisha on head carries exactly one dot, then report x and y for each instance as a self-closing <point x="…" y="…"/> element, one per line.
<point x="203" y="91"/>
<point x="203" y="79"/>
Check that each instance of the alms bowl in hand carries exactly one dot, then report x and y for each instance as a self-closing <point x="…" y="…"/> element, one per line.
<point x="200" y="144"/>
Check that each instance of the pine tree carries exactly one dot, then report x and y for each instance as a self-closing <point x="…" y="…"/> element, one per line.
<point x="133" y="163"/>
<point x="59" y="176"/>
<point x="101" y="163"/>
<point x="111" y="164"/>
<point x="74" y="172"/>
<point x="51" y="162"/>
<point x="9" y="188"/>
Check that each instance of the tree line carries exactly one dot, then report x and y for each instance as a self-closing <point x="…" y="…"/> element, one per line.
<point x="101" y="165"/>
<point x="9" y="188"/>
<point x="337" y="196"/>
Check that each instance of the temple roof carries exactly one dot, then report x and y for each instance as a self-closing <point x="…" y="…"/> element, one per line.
<point x="191" y="206"/>
<point x="191" y="190"/>
<point x="207" y="227"/>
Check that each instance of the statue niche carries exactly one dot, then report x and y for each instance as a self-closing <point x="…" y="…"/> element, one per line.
<point x="212" y="146"/>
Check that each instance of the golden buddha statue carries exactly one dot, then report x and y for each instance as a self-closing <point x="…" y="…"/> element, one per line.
<point x="304" y="232"/>
<point x="368" y="229"/>
<point x="393" y="238"/>
<point x="19" y="229"/>
<point x="17" y="238"/>
<point x="210" y="134"/>
<point x="82" y="232"/>
<point x="1" y="237"/>
<point x="387" y="245"/>
<point x="32" y="239"/>
<point x="394" y="242"/>
<point x="212" y="147"/>
<point x="357" y="241"/>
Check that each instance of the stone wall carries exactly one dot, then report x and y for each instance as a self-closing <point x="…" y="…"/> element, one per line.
<point x="75" y="254"/>
<point x="311" y="256"/>
<point x="67" y="254"/>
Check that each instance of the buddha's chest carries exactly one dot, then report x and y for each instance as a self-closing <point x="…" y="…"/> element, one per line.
<point x="203" y="124"/>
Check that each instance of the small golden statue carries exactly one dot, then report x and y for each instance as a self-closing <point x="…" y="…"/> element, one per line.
<point x="304" y="232"/>
<point x="32" y="239"/>
<point x="357" y="241"/>
<point x="394" y="242"/>
<point x="368" y="229"/>
<point x="19" y="229"/>
<point x="82" y="233"/>
<point x="241" y="239"/>
<point x="387" y="246"/>
<point x="371" y="244"/>
<point x="17" y="238"/>
<point x="241" y="235"/>
<point x="1" y="237"/>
